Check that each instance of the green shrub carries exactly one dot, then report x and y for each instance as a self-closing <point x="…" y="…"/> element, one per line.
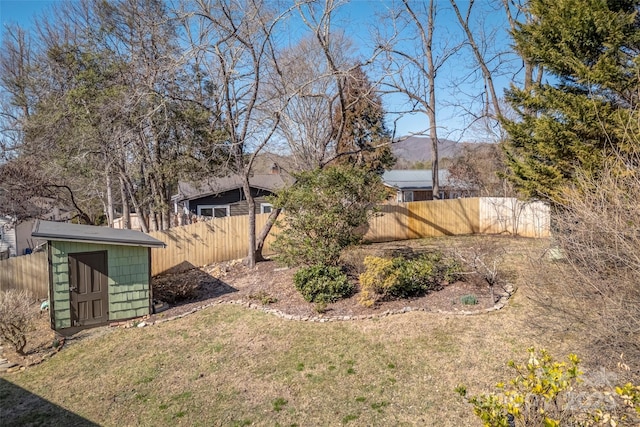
<point x="402" y="278"/>
<point x="327" y="210"/>
<point x="469" y="299"/>
<point x="322" y="284"/>
<point x="264" y="298"/>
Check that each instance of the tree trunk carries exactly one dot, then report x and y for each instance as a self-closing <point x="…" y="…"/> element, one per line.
<point x="126" y="209"/>
<point x="136" y="206"/>
<point x="431" y="110"/>
<point x="464" y="23"/>
<point x="260" y="239"/>
<point x="110" y="210"/>
<point x="250" y="261"/>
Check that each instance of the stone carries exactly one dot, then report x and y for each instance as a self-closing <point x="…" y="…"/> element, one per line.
<point x="6" y="366"/>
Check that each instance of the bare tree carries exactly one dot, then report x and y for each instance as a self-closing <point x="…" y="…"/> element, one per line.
<point x="411" y="63"/>
<point x="492" y="60"/>
<point x="234" y="45"/>
<point x="310" y="92"/>
<point x="307" y="90"/>
<point x="17" y="92"/>
<point x="491" y="108"/>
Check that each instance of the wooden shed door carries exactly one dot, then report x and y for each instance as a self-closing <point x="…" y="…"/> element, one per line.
<point x="88" y="285"/>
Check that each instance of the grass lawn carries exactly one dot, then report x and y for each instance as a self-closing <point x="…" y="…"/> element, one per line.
<point x="229" y="366"/>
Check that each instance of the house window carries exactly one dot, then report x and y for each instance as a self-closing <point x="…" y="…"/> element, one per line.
<point x="214" y="211"/>
<point x="442" y="195"/>
<point x="408" y="196"/>
<point x="266" y="207"/>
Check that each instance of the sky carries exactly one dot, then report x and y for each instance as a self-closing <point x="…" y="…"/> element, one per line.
<point x="22" y="11"/>
<point x="452" y="122"/>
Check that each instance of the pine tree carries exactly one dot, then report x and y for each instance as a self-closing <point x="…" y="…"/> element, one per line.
<point x="581" y="113"/>
<point x="365" y="140"/>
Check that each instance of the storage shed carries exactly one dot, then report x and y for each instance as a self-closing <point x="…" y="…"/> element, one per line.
<point x="96" y="274"/>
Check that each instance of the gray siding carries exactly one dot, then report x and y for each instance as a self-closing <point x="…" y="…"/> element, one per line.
<point x="234" y="199"/>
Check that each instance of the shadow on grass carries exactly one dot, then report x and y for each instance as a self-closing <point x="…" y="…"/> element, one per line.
<point x="20" y="407"/>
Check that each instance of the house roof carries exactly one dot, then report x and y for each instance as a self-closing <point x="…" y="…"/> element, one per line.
<point x="92" y="234"/>
<point x="413" y="179"/>
<point x="194" y="190"/>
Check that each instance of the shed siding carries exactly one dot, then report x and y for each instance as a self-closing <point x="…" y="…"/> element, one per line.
<point x="128" y="280"/>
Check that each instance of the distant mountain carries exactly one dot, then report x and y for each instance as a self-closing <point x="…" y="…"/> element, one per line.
<point x="418" y="149"/>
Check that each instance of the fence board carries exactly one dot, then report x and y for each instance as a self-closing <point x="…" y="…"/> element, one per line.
<point x="28" y="272"/>
<point x="512" y="216"/>
<point x="413" y="220"/>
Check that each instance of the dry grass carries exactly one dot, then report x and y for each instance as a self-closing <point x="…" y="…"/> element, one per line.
<point x="228" y="366"/>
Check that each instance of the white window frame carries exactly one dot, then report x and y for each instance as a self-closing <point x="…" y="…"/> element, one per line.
<point x="213" y="208"/>
<point x="264" y="205"/>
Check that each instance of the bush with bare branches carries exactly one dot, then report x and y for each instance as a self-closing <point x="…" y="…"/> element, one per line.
<point x="17" y="314"/>
<point x="598" y="230"/>
<point x="485" y="261"/>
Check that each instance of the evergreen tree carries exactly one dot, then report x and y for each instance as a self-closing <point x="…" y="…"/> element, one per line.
<point x="364" y="140"/>
<point x="589" y="51"/>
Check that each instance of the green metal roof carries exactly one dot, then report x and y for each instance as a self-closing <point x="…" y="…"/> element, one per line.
<point x="64" y="231"/>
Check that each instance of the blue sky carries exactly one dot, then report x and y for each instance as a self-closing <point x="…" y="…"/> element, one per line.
<point x="21" y="11"/>
<point x="358" y="13"/>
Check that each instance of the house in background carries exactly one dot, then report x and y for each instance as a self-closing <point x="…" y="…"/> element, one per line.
<point x="7" y="237"/>
<point x="221" y="197"/>
<point x="417" y="185"/>
<point x="15" y="237"/>
<point x="16" y="224"/>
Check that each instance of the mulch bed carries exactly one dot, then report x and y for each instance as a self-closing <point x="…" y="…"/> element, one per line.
<point x="270" y="283"/>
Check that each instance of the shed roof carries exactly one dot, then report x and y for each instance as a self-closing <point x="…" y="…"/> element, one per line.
<point x="92" y="234"/>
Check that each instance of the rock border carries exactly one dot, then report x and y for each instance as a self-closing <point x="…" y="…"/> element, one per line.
<point x="509" y="291"/>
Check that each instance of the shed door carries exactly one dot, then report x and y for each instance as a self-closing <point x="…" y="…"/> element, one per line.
<point x="88" y="287"/>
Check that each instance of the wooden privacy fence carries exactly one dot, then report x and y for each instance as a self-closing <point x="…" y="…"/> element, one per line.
<point x="28" y="272"/>
<point x="205" y="242"/>
<point x="224" y="239"/>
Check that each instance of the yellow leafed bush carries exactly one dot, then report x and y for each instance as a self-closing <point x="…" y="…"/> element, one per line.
<point x="380" y="276"/>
